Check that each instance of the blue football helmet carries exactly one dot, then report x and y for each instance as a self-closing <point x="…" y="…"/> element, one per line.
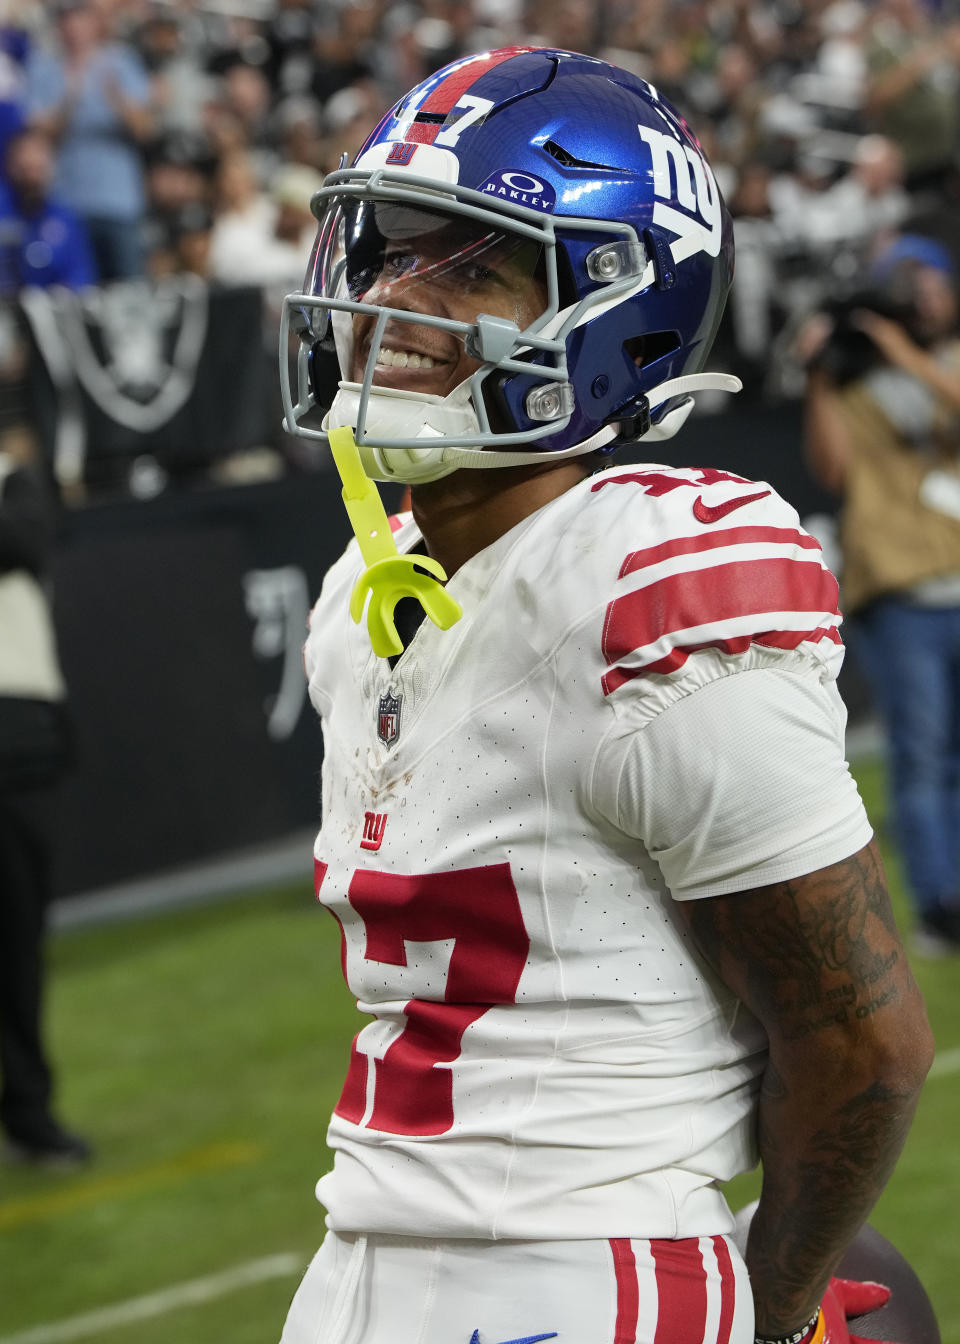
<point x="543" y="224"/>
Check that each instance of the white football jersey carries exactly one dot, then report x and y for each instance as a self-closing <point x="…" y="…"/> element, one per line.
<point x="637" y="706"/>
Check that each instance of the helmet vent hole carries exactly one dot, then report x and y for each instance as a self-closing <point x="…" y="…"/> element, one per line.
<point x="650" y="347"/>
<point x="568" y="160"/>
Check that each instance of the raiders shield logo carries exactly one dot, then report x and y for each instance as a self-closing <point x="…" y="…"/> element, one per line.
<point x="388" y="718"/>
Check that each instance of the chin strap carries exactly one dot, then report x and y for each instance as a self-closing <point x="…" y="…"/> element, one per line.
<point x="389" y="575"/>
<point x="384" y="462"/>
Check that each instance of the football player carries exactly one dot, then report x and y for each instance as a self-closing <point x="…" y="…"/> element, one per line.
<point x="604" y="881"/>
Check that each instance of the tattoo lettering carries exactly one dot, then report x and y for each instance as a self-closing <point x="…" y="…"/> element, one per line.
<point x="810" y="954"/>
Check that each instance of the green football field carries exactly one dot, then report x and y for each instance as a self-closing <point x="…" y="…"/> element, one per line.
<point x="202" y="1052"/>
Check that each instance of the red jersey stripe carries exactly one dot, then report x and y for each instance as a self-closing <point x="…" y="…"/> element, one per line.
<point x="353" y="1098"/>
<point x="789" y="639"/>
<point x="628" y="1291"/>
<point x="450" y="90"/>
<point x="708" y="541"/>
<point x="709" y="596"/>
<point x="728" y="1289"/>
<point x="681" y="1291"/>
<point x="675" y="659"/>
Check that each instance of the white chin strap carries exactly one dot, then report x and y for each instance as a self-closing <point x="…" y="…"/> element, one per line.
<point x="395" y="414"/>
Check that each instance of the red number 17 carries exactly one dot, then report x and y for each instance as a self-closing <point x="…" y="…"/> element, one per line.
<point x="479" y="910"/>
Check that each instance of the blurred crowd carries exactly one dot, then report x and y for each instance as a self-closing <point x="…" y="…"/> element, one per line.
<point x="185" y="137"/>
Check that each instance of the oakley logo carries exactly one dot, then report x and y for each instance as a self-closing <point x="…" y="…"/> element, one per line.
<point x="523" y="182"/>
<point x="523" y="189"/>
<point x="401" y="152"/>
<point x="681" y="174"/>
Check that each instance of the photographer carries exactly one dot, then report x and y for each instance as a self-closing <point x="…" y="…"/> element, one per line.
<point x="882" y="428"/>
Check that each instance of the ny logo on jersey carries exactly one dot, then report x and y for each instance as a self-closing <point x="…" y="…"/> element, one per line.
<point x="388" y="718"/>
<point x="374" y="825"/>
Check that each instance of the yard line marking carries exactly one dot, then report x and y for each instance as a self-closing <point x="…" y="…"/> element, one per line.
<point x="192" y="1292"/>
<point x="946" y="1061"/>
<point x="34" y="1208"/>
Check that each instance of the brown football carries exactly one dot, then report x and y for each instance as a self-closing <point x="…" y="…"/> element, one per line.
<point x="908" y="1317"/>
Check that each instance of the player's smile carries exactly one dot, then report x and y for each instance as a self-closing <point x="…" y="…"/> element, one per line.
<point x="450" y="270"/>
<point x="415" y="358"/>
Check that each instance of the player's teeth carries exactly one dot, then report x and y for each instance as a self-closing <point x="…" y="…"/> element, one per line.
<point x="403" y="359"/>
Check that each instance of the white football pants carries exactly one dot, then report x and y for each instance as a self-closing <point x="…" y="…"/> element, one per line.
<point x="414" y="1290"/>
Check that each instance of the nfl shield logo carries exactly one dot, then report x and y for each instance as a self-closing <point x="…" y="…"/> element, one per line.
<point x="388" y="718"/>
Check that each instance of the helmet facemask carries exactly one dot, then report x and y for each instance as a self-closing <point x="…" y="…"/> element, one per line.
<point x="400" y="270"/>
<point x="407" y="266"/>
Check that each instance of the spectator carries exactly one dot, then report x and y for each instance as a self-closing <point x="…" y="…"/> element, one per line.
<point x="245" y="99"/>
<point x="289" y="32"/>
<point x="180" y="86"/>
<point x="42" y="242"/>
<point x="179" y="174"/>
<point x="912" y="87"/>
<point x="294" y="226"/>
<point x="92" y="98"/>
<point x="33" y="754"/>
<point x="868" y="200"/>
<point x="297" y="126"/>
<point x="343" y="53"/>
<point x="755" y="299"/>
<point x="883" y="430"/>
<point x="243" y="220"/>
<point x="189" y="241"/>
<point x="13" y="51"/>
<point x="265" y="239"/>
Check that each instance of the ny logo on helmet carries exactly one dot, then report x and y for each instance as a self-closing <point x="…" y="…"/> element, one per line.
<point x="683" y="176"/>
<point x="401" y="152"/>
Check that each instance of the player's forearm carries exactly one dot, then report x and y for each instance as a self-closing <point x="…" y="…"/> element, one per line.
<point x="819" y="962"/>
<point x="829" y="1141"/>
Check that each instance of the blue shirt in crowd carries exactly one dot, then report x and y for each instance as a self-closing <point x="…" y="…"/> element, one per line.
<point x="13" y="53"/>
<point x="48" y="248"/>
<point x="99" y="168"/>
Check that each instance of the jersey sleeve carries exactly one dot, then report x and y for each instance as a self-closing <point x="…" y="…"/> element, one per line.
<point x="739" y="784"/>
<point x="721" y="646"/>
<point x="732" y="573"/>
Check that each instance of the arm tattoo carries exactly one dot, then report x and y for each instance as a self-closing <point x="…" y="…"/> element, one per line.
<point x="819" y="961"/>
<point x="803" y="952"/>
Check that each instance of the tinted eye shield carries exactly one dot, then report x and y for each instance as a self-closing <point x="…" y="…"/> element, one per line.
<point x="496" y="342"/>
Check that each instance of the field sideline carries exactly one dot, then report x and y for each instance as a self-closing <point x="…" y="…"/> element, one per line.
<point x="202" y="1051"/>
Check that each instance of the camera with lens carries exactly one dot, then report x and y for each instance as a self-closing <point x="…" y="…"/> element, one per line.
<point x="849" y="354"/>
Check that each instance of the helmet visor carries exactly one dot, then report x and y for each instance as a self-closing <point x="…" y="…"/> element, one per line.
<point x="427" y="261"/>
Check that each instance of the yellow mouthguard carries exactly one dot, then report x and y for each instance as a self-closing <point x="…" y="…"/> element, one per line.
<point x="389" y="575"/>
